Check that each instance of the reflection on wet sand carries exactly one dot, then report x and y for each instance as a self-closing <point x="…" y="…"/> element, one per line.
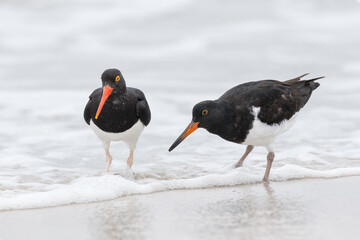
<point x="122" y="219"/>
<point x="256" y="212"/>
<point x="247" y="211"/>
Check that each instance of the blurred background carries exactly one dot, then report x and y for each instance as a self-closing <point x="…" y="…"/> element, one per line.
<point x="67" y="44"/>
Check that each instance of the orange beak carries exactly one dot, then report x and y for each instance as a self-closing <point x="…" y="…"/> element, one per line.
<point x="106" y="93"/>
<point x="191" y="128"/>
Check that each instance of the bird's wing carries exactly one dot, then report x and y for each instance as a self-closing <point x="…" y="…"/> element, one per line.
<point x="294" y="80"/>
<point x="142" y="107"/>
<point x="281" y="100"/>
<point x="277" y="100"/>
<point x="89" y="106"/>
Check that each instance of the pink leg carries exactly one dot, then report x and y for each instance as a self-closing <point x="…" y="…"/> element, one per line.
<point x="108" y="160"/>
<point x="106" y="145"/>
<point x="270" y="158"/>
<point x="130" y="159"/>
<point x="249" y="148"/>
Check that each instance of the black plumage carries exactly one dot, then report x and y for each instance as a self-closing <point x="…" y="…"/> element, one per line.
<point x="123" y="107"/>
<point x="120" y="112"/>
<point x="232" y="116"/>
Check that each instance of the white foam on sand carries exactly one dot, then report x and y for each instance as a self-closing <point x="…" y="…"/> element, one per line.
<point x="106" y="187"/>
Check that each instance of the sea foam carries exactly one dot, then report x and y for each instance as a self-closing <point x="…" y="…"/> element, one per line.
<point x="89" y="189"/>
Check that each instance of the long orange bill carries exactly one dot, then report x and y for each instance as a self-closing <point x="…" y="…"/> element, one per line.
<point x="191" y="128"/>
<point x="106" y="93"/>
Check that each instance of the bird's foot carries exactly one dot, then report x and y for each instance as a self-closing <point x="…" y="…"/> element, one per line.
<point x="265" y="180"/>
<point x="129" y="173"/>
<point x="238" y="165"/>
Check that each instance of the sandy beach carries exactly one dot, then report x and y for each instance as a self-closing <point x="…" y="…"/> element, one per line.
<point x="299" y="209"/>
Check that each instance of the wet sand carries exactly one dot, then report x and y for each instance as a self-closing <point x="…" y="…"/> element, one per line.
<point x="299" y="209"/>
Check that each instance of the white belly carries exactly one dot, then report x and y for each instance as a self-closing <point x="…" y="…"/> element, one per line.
<point x="262" y="134"/>
<point x="130" y="136"/>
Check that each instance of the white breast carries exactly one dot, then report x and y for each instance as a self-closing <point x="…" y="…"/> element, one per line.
<point x="262" y="134"/>
<point x="130" y="136"/>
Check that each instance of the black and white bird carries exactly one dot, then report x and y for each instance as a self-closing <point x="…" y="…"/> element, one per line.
<point x="117" y="113"/>
<point x="253" y="114"/>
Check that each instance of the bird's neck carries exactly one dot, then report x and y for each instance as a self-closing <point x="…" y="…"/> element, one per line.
<point x="234" y="125"/>
<point x="222" y="126"/>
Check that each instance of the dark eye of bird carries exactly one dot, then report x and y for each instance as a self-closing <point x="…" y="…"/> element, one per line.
<point x="117" y="78"/>
<point x="204" y="112"/>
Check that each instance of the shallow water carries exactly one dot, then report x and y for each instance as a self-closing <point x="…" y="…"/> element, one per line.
<point x="178" y="53"/>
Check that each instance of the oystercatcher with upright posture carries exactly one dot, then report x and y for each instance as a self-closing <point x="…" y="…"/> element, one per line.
<point x="117" y="113"/>
<point x="253" y="114"/>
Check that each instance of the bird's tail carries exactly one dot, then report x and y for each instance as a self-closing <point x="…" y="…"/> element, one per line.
<point x="310" y="82"/>
<point x="313" y="85"/>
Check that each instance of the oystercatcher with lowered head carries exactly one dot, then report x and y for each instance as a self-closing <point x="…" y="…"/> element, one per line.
<point x="253" y="114"/>
<point x="117" y="113"/>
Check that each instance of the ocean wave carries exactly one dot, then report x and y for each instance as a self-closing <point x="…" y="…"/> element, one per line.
<point x="104" y="187"/>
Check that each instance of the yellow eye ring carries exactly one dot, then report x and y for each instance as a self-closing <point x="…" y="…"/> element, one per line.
<point x="204" y="112"/>
<point x="117" y="78"/>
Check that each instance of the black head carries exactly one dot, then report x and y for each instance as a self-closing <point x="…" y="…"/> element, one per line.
<point x="206" y="114"/>
<point x="113" y="79"/>
<point x="113" y="83"/>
